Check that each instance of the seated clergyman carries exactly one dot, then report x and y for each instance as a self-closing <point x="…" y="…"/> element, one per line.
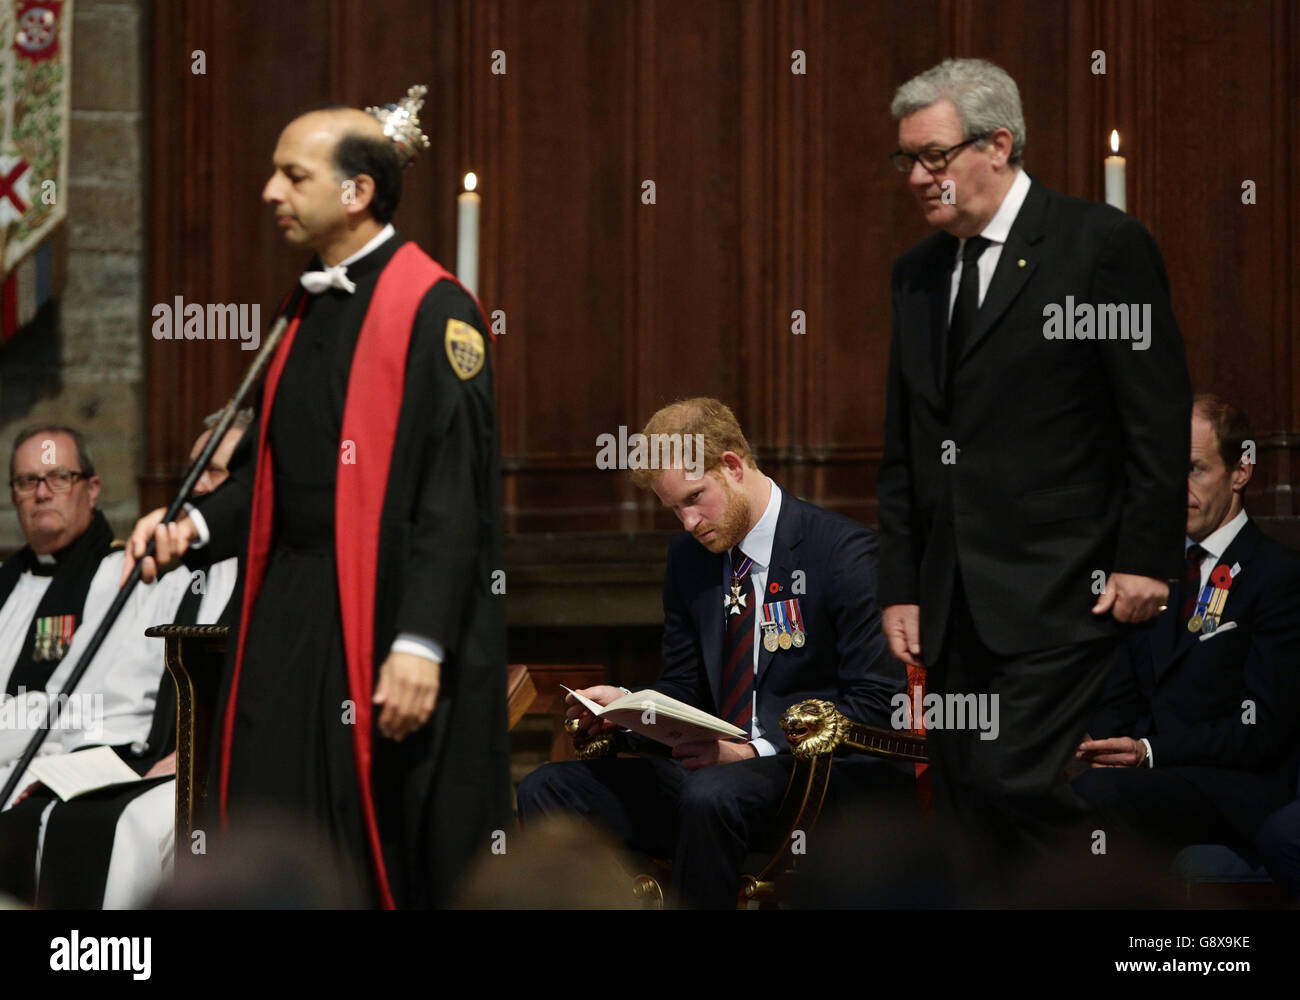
<point x="115" y="848"/>
<point x="767" y="601"/>
<point x="53" y="595"/>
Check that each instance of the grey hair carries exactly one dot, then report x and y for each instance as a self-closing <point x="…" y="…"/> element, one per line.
<point x="985" y="96"/>
<point x="242" y="419"/>
<point x="83" y="450"/>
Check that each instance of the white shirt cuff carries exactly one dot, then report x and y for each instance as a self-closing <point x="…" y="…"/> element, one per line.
<point x="1151" y="756"/>
<point x="764" y="748"/>
<point x="200" y="527"/>
<point x="417" y="645"/>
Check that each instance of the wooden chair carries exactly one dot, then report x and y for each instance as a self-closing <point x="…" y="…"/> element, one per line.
<point x="193" y="656"/>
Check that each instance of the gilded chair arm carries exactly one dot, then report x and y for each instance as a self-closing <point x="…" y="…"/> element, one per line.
<point x="589" y="747"/>
<point x="815" y="727"/>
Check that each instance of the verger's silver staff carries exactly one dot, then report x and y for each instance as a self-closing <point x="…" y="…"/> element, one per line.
<point x="254" y="374"/>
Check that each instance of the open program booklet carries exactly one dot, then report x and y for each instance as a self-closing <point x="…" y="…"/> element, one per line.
<point x="68" y="775"/>
<point x="661" y="718"/>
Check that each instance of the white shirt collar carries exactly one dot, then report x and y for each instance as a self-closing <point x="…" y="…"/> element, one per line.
<point x="758" y="543"/>
<point x="1217" y="541"/>
<point x="383" y="234"/>
<point x="999" y="227"/>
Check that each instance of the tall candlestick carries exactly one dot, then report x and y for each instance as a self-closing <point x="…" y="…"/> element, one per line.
<point x="467" y="215"/>
<point x="1116" y="192"/>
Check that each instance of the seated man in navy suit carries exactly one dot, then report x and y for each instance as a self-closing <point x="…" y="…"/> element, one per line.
<point x="1197" y="734"/>
<point x="756" y="562"/>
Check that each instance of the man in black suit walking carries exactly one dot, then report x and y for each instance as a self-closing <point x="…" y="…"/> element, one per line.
<point x="1196" y="737"/>
<point x="1035" y="449"/>
<point x="755" y="561"/>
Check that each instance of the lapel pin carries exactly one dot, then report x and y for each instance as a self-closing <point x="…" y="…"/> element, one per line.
<point x="1020" y="262"/>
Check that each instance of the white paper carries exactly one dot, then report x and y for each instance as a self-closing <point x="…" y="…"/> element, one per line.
<point x="1225" y="627"/>
<point x="586" y="703"/>
<point x="71" y="774"/>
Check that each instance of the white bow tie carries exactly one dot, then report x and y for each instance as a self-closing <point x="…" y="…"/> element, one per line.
<point x="332" y="277"/>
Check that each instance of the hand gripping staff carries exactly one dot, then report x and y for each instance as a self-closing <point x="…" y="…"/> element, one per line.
<point x="255" y="372"/>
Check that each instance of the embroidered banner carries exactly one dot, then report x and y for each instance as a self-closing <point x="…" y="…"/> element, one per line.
<point x="35" y="68"/>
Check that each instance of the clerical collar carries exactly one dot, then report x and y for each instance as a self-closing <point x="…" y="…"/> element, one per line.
<point x="369" y="260"/>
<point x="97" y="534"/>
<point x="384" y="234"/>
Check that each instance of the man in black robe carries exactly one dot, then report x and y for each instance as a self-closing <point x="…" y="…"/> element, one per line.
<point x="411" y="796"/>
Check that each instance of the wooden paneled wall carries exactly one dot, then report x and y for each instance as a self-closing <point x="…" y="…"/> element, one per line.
<point x="772" y="194"/>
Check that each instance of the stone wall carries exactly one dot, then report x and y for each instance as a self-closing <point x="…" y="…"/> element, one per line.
<point x="93" y="378"/>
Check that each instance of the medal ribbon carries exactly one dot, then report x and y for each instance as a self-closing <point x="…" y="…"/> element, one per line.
<point x="1203" y="601"/>
<point x="1217" y="601"/>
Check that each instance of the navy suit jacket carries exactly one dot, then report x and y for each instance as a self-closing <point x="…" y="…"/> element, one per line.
<point x="1187" y="695"/>
<point x="828" y="563"/>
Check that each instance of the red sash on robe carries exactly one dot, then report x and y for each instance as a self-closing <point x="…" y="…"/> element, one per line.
<point x="370" y="414"/>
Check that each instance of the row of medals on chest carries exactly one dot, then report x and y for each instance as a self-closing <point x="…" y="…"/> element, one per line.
<point x="776" y="634"/>
<point x="1213" y="596"/>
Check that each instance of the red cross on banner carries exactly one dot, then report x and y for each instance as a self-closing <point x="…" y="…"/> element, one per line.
<point x="10" y="177"/>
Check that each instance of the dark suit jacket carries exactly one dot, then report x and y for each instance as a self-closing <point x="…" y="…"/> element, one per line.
<point x="1187" y="696"/>
<point x="845" y="658"/>
<point x="1071" y="455"/>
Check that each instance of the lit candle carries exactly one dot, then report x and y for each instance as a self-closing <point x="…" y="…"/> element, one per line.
<point x="1115" y="190"/>
<point x="467" y="212"/>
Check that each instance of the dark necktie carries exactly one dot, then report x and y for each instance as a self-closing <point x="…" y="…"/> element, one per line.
<point x="737" y="693"/>
<point x="967" y="306"/>
<point x="1191" y="581"/>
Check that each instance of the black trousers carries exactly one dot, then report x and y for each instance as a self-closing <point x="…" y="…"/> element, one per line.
<point x="1005" y="800"/>
<point x="705" y="820"/>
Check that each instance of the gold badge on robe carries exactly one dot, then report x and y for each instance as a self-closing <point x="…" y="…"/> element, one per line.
<point x="464" y="349"/>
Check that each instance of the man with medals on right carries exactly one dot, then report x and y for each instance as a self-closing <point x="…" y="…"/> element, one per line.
<point x="1196" y="739"/>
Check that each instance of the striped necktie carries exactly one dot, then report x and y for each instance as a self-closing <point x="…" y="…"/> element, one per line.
<point x="737" y="697"/>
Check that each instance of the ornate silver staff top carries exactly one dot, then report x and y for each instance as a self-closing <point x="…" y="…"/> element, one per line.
<point x="401" y="122"/>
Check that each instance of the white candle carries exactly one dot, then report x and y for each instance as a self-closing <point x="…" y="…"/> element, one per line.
<point x="1116" y="193"/>
<point x="467" y="213"/>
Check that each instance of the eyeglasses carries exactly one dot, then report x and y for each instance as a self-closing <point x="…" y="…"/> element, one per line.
<point x="934" y="160"/>
<point x="59" y="481"/>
